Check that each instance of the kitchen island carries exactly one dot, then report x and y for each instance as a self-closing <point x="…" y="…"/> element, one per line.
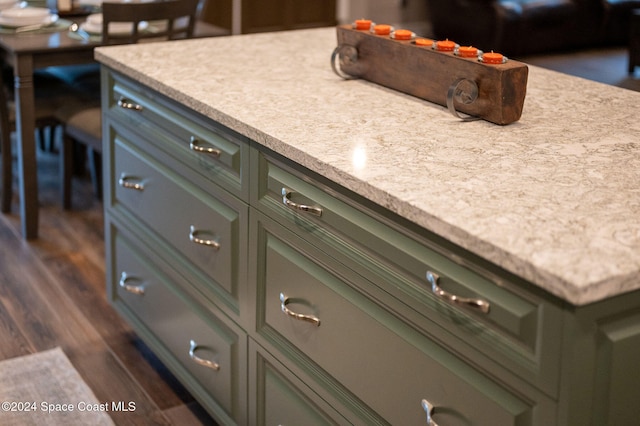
<point x="379" y="197"/>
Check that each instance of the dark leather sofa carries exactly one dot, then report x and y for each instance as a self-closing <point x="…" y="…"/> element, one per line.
<point x="521" y="27"/>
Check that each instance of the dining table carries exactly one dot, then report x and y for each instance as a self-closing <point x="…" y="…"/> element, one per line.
<point x="26" y="52"/>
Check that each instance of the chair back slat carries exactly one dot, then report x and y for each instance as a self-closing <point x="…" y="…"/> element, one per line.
<point x="168" y="20"/>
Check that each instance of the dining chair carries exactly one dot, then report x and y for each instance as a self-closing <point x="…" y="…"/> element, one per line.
<point x="168" y="20"/>
<point x="150" y="21"/>
<point x="49" y="97"/>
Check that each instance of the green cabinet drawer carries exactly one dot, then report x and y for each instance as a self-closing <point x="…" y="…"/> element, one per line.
<point x="203" y="230"/>
<point x="279" y="397"/>
<point x="214" y="152"/>
<point x="518" y="329"/>
<point x="308" y="304"/>
<point x="208" y="351"/>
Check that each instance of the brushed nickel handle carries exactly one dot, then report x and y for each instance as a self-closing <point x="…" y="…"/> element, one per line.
<point x="193" y="236"/>
<point x="284" y="301"/>
<point x="478" y="304"/>
<point x="465" y="92"/>
<point x="429" y="409"/>
<point x="286" y="200"/>
<point x="347" y="55"/>
<point x="193" y="347"/>
<point x="197" y="145"/>
<point x="131" y="182"/>
<point x="135" y="289"/>
<point x="128" y="104"/>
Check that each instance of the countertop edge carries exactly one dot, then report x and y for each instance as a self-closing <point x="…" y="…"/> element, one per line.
<point x="577" y="295"/>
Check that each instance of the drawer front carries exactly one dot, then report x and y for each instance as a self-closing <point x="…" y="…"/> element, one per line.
<point x="204" y="230"/>
<point x="308" y="302"/>
<point x="213" y="151"/>
<point x="203" y="346"/>
<point x="281" y="398"/>
<point x="419" y="273"/>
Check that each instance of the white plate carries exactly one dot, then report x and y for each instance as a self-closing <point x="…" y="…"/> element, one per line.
<point x="115" y="28"/>
<point x="10" y="23"/>
<point x="22" y="16"/>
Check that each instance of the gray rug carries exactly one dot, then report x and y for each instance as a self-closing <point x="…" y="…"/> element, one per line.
<point x="45" y="389"/>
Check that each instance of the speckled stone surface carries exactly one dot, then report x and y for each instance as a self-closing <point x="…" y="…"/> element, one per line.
<point x="553" y="198"/>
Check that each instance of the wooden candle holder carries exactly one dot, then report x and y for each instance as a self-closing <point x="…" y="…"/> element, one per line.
<point x="493" y="92"/>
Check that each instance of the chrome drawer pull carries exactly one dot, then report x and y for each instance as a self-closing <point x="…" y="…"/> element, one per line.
<point x="192" y="354"/>
<point x="193" y="236"/>
<point x="284" y="301"/>
<point x="429" y="409"/>
<point x="479" y="304"/>
<point x="198" y="146"/>
<point x="286" y="200"/>
<point x="135" y="289"/>
<point x="127" y="104"/>
<point x="131" y="182"/>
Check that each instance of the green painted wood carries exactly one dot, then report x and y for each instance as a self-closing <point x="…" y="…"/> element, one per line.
<point x="600" y="351"/>
<point x="173" y="128"/>
<point x="397" y="261"/>
<point x="281" y="398"/>
<point x="531" y="360"/>
<point x="617" y="383"/>
<point x="382" y="360"/>
<point x="197" y="290"/>
<point x="178" y="211"/>
<point x="168" y="320"/>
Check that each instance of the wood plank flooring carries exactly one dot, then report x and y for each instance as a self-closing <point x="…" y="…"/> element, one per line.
<point x="604" y="65"/>
<point x="52" y="293"/>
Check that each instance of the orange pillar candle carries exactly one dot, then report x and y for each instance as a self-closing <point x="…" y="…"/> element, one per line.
<point x="382" y="29"/>
<point x="363" y="24"/>
<point x="467" y="52"/>
<point x="402" y="35"/>
<point x="424" y="42"/>
<point x="445" y="45"/>
<point x="492" y="58"/>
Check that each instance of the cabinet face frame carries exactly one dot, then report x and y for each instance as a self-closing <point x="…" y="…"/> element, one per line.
<point x="600" y="352"/>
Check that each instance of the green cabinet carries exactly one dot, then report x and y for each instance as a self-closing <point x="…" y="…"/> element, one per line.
<point x="176" y="240"/>
<point x="316" y="312"/>
<point x="205" y="350"/>
<point x="279" y="297"/>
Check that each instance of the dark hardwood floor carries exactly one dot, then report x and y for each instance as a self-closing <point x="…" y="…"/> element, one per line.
<point x="608" y="65"/>
<point x="52" y="293"/>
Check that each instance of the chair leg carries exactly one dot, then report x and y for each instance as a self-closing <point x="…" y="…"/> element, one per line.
<point x="66" y="170"/>
<point x="95" y="168"/>
<point x="7" y="169"/>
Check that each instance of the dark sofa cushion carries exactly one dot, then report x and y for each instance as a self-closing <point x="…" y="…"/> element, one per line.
<point x="617" y="18"/>
<point x="520" y="27"/>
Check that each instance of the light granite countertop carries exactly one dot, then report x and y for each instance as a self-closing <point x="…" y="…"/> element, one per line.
<point x="553" y="198"/>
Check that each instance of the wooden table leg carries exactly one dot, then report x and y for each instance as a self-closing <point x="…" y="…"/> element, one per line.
<point x="26" y="147"/>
